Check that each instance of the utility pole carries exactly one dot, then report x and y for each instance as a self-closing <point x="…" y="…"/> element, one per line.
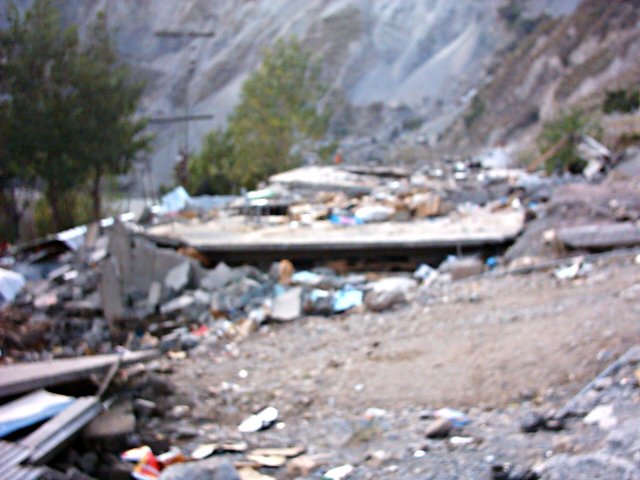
<point x="187" y="117"/>
<point x="184" y="153"/>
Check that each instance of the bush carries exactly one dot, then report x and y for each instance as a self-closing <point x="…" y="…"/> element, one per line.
<point x="625" y="101"/>
<point x="475" y="111"/>
<point x="568" y="128"/>
<point x="78" y="212"/>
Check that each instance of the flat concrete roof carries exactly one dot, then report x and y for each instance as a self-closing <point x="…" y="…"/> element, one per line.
<point x="475" y="229"/>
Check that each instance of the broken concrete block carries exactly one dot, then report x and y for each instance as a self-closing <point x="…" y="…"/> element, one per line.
<point x="110" y="290"/>
<point x="374" y="213"/>
<point x="155" y="294"/>
<point x="46" y="301"/>
<point x="177" y="278"/>
<point x="121" y="251"/>
<point x="202" y="297"/>
<point x="217" y="278"/>
<point x="112" y="427"/>
<point x="177" y="304"/>
<point x="288" y="306"/>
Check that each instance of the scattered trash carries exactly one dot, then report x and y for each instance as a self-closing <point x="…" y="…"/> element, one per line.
<point x="339" y="473"/>
<point x="578" y="268"/>
<point x="456" y="417"/>
<point x="461" y="441"/>
<point x="31" y="409"/>
<point x="260" y="421"/>
<point x="10" y="285"/>
<point x="347" y="299"/>
<point x="603" y="416"/>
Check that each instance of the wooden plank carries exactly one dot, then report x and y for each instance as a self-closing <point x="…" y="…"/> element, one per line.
<point x="25" y="377"/>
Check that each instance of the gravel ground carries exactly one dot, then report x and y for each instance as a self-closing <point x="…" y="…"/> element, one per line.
<point x="496" y="348"/>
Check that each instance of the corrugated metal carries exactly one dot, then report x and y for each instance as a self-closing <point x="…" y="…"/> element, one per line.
<point x="45" y="441"/>
<point x="12" y="454"/>
<point x="21" y="473"/>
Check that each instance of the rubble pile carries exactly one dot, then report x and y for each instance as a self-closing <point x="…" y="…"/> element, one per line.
<point x="140" y="296"/>
<point x="93" y="308"/>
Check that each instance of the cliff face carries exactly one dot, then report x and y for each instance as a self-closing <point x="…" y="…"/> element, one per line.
<point x="425" y="54"/>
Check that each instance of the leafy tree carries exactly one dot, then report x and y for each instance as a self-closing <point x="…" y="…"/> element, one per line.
<point x="70" y="110"/>
<point x="112" y="136"/>
<point x="45" y="107"/>
<point x="211" y="170"/>
<point x="278" y="109"/>
<point x="560" y="137"/>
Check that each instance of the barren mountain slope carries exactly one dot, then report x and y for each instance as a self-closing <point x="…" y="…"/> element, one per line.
<point x="567" y="62"/>
<point x="423" y="53"/>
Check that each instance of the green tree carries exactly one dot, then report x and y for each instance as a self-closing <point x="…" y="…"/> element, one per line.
<point x="560" y="137"/>
<point x="112" y="135"/>
<point x="70" y="109"/>
<point x="278" y="109"/>
<point x="211" y="171"/>
<point x="44" y="105"/>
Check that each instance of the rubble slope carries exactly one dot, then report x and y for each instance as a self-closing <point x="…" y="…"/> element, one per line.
<point x="566" y="62"/>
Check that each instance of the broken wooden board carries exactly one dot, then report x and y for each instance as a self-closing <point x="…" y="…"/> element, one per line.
<point x="25" y="377"/>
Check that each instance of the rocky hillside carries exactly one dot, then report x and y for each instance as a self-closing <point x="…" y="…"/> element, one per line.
<point x="566" y="62"/>
<point x="422" y="54"/>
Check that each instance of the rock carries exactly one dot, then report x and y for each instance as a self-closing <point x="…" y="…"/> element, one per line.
<point x="177" y="278"/>
<point x="170" y="342"/>
<point x="505" y="471"/>
<point x="462" y="267"/>
<point x="179" y="411"/>
<point x="144" y="407"/>
<point x="247" y="473"/>
<point x="387" y="292"/>
<point x="213" y="469"/>
<point x="554" y="424"/>
<point x="301" y="466"/>
<point x="46" y="301"/>
<point x="592" y="466"/>
<point x="88" y="462"/>
<point x="439" y="428"/>
<point x="379" y="301"/>
<point x="112" y="427"/>
<point x="288" y="306"/>
<point x="339" y="473"/>
<point x="118" y="471"/>
<point x="531" y="422"/>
